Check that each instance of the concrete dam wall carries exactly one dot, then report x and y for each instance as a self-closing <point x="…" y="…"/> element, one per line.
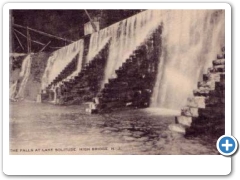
<point x="152" y="59"/>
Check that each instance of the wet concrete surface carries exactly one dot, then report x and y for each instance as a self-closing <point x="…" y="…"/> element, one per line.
<point x="49" y="129"/>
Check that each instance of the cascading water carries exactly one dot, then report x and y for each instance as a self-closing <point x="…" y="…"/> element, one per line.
<point x="125" y="37"/>
<point x="23" y="77"/>
<point x="79" y="61"/>
<point x="60" y="59"/>
<point x="190" y="41"/>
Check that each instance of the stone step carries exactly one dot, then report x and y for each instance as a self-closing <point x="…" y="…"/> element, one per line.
<point x="131" y="79"/>
<point x="121" y="71"/>
<point x="184" y="120"/>
<point x="218" y="92"/>
<point x="201" y="92"/>
<point x="128" y="65"/>
<point x="207" y="84"/>
<point x="218" y="62"/>
<point x="79" y="77"/>
<point x="189" y="112"/>
<point x="132" y="56"/>
<point x="130" y="60"/>
<point x="128" y="75"/>
<point x="196" y="102"/>
<point x="140" y="54"/>
<point x="81" y="84"/>
<point x="69" y="83"/>
<point x="140" y="49"/>
<point x="217" y="68"/>
<point x="213" y="76"/>
<point x="72" y="81"/>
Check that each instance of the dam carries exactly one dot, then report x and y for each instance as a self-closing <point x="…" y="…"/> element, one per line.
<point x="150" y="83"/>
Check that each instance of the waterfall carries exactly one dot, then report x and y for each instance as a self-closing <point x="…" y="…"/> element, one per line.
<point x="79" y="61"/>
<point x="190" y="41"/>
<point x="60" y="59"/>
<point x="125" y="37"/>
<point x="23" y="76"/>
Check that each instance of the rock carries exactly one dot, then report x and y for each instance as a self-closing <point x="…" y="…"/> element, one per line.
<point x="177" y="128"/>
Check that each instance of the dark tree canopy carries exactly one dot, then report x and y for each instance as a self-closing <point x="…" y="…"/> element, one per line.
<point x="68" y="24"/>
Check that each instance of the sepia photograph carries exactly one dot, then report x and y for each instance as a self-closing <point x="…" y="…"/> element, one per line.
<point x="116" y="81"/>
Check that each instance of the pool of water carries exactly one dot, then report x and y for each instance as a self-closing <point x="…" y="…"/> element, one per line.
<point x="49" y="129"/>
